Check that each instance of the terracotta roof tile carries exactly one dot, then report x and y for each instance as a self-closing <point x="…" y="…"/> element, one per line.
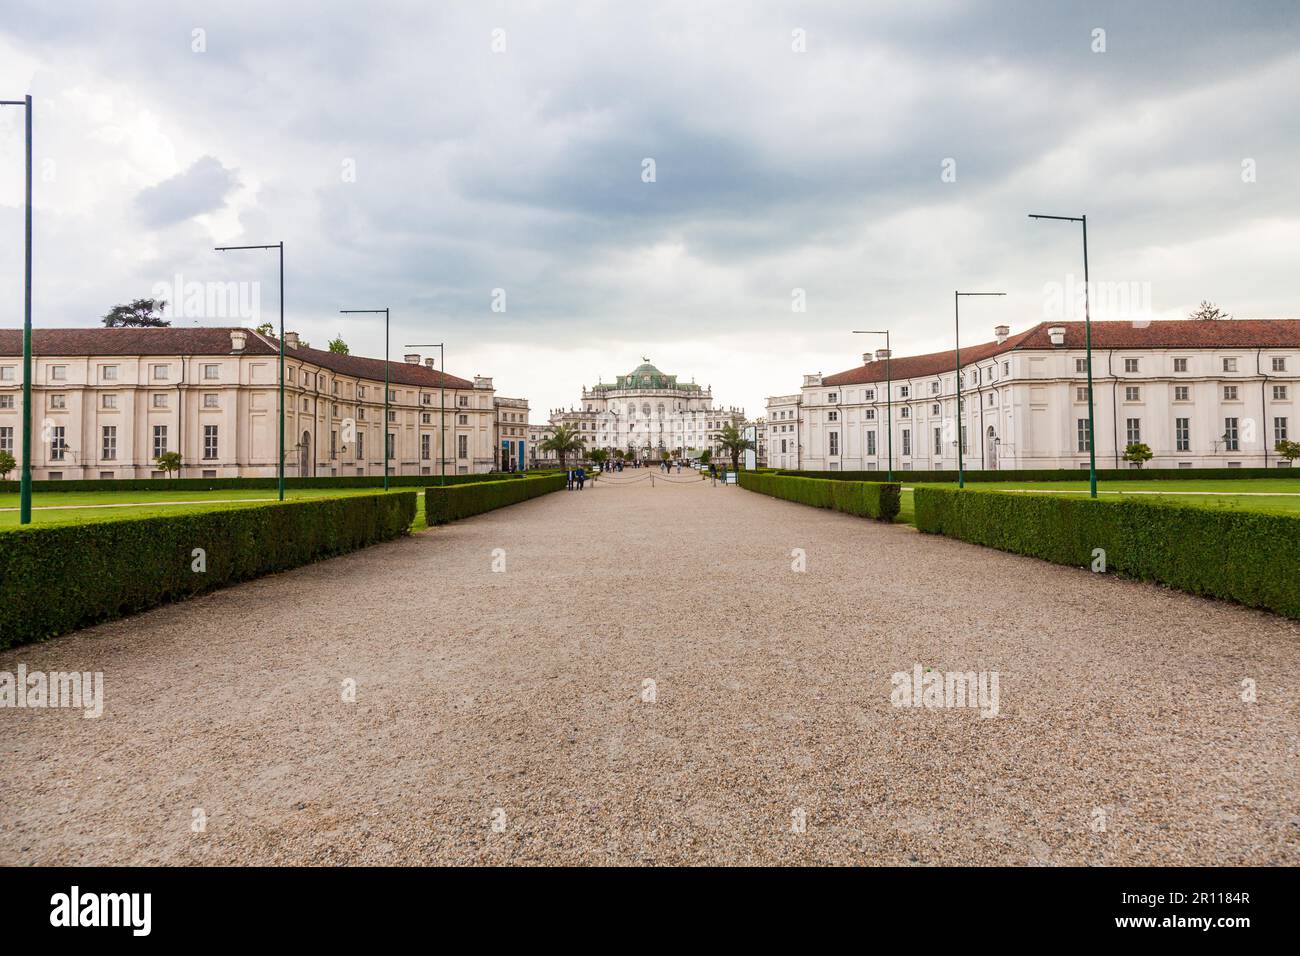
<point x="1181" y="333"/>
<point x="211" y="341"/>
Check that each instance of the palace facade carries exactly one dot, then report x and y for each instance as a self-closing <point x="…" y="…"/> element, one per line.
<point x="106" y="402"/>
<point x="1199" y="394"/>
<point x="646" y="412"/>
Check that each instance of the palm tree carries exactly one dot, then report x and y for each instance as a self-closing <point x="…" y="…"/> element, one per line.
<point x="732" y="442"/>
<point x="564" y="441"/>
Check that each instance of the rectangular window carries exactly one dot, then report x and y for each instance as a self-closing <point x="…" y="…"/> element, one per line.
<point x="426" y="447"/>
<point x="938" y="441"/>
<point x="108" y="373"/>
<point x="1230" y="434"/>
<point x="871" y="394"/>
<point x="211" y="372"/>
<point x="464" y="420"/>
<point x="1230" y="393"/>
<point x="58" y="373"/>
<point x="463" y="401"/>
<point x="6" y="401"/>
<point x="1230" y="365"/>
<point x="1279" y="430"/>
<point x="832" y="416"/>
<point x="159" y="440"/>
<point x="1279" y="393"/>
<point x="1081" y="431"/>
<point x="871" y="414"/>
<point x="392" y="415"/>
<point x="160" y="372"/>
<point x="1279" y="363"/>
<point x="832" y="397"/>
<point x="7" y="438"/>
<point x="1182" y="393"/>
<point x="1134" y="430"/>
<point x="392" y="395"/>
<point x="1132" y="393"/>
<point x="1081" y="365"/>
<point x="210" y="443"/>
<point x="210" y="400"/>
<point x="426" y="418"/>
<point x="904" y="391"/>
<point x="907" y="442"/>
<point x="934" y="409"/>
<point x="1130" y="365"/>
<point x="6" y="373"/>
<point x="904" y="412"/>
<point x="1081" y="393"/>
<point x="462" y="446"/>
<point x="334" y="444"/>
<point x="871" y="443"/>
<point x="159" y="399"/>
<point x="834" y="438"/>
<point x="109" y="401"/>
<point x="392" y="445"/>
<point x="361" y="446"/>
<point x="58" y="445"/>
<point x="110" y="443"/>
<point x="1180" y="365"/>
<point x="1182" y="434"/>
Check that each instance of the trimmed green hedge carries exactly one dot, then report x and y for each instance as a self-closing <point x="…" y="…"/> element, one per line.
<point x="58" y="578"/>
<point x="1242" y="556"/>
<point x="1055" y="474"/>
<point x="867" y="499"/>
<point x="215" y="484"/>
<point x="442" y="505"/>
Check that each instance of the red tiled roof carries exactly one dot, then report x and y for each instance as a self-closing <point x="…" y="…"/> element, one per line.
<point x="212" y="341"/>
<point x="1180" y="333"/>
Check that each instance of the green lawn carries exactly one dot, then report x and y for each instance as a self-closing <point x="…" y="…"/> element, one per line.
<point x="53" y="507"/>
<point x="1275" y="495"/>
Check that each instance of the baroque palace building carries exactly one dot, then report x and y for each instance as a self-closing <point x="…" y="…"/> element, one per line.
<point x="106" y="402"/>
<point x="646" y="412"/>
<point x="1199" y="394"/>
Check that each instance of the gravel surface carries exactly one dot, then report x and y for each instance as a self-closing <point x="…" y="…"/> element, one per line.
<point x="500" y="717"/>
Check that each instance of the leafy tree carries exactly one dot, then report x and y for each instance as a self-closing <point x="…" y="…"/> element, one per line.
<point x="665" y="454"/>
<point x="1138" y="452"/>
<point x="564" y="441"/>
<point x="1290" y="450"/>
<point x="599" y="456"/>
<point x="338" y="346"/>
<point x="169" y="462"/>
<point x="1208" y="312"/>
<point x="619" y="454"/>
<point x="7" y="464"/>
<point x="733" y="442"/>
<point x="706" y="456"/>
<point x="266" y="328"/>
<point x="137" y="314"/>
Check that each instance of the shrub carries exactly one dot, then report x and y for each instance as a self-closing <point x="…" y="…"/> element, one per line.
<point x="867" y="499"/>
<point x="220" y="484"/>
<point x="442" y="505"/>
<point x="56" y="578"/>
<point x="1054" y="474"/>
<point x="1241" y="556"/>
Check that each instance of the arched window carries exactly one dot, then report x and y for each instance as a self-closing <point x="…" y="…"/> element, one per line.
<point x="645" y="410"/>
<point x="661" y="409"/>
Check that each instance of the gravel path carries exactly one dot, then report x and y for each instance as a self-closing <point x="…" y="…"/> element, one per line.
<point x="499" y="717"/>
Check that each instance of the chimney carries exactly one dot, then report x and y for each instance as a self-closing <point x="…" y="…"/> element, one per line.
<point x="428" y="363"/>
<point x="1057" y="334"/>
<point x="411" y="358"/>
<point x="1001" y="332"/>
<point x="482" y="381"/>
<point x="291" y="340"/>
<point x="882" y="354"/>
<point x="238" y="339"/>
<point x="866" y="358"/>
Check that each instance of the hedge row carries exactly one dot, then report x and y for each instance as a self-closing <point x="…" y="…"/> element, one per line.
<point x="215" y="484"/>
<point x="58" y="578"/>
<point x="442" y="505"/>
<point x="1242" y="556"/>
<point x="1055" y="474"/>
<point x="867" y="499"/>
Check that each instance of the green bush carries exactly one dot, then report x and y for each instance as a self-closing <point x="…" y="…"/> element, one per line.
<point x="223" y="484"/>
<point x="1055" y="474"/>
<point x="442" y="505"/>
<point x="867" y="499"/>
<point x="1242" y="556"/>
<point x="57" y="578"/>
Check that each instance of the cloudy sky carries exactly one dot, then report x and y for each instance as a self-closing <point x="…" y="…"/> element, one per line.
<point x="863" y="159"/>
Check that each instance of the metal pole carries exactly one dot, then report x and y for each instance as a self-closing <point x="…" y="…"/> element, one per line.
<point x="1087" y="331"/>
<point x="280" y="470"/>
<point x="387" y="353"/>
<point x="442" y="418"/>
<point x="961" y="474"/>
<point x="25" y="485"/>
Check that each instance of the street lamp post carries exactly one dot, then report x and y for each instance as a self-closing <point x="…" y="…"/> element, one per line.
<point x="956" y="300"/>
<point x="442" y="408"/>
<point x="25" y="483"/>
<point x="279" y="246"/>
<point x="384" y="312"/>
<point x="1087" y="337"/>
<point x="889" y="401"/>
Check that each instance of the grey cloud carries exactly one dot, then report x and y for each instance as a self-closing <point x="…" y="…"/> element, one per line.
<point x="200" y="189"/>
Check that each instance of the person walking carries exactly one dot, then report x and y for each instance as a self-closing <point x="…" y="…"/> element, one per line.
<point x="582" y="477"/>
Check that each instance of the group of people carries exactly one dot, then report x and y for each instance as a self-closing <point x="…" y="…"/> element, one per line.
<point x="577" y="477"/>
